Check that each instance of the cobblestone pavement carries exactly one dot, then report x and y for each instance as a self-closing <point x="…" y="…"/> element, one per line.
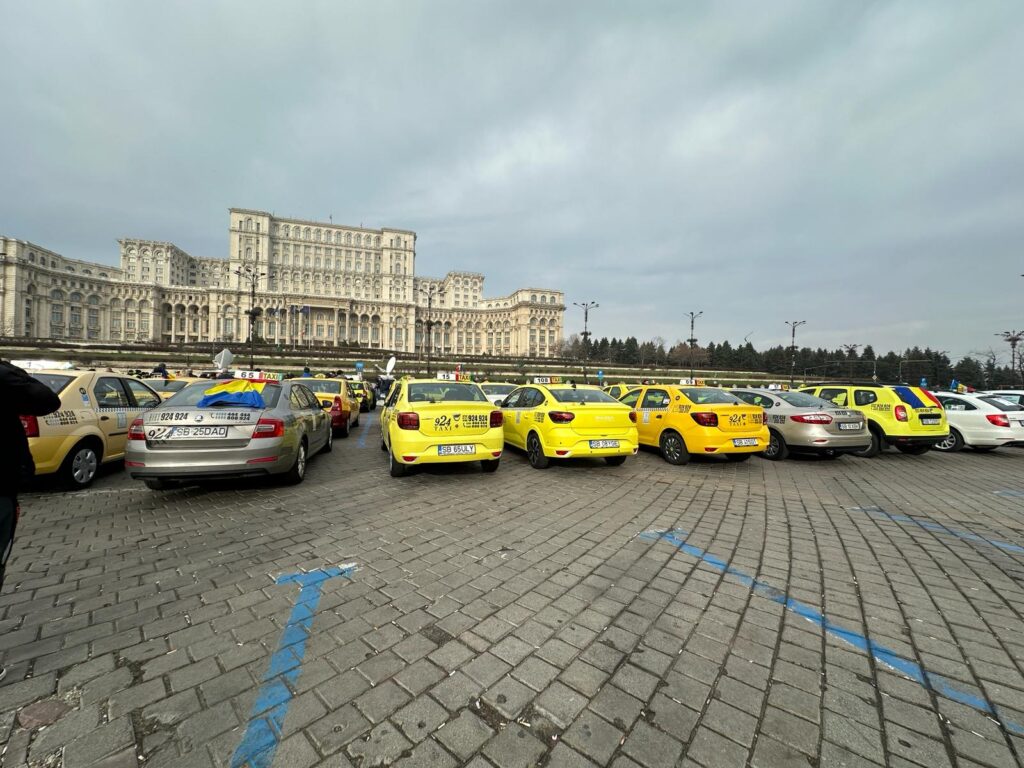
<point x="712" y="614"/>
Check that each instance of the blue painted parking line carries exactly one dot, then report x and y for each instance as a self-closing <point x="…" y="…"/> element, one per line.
<point x="937" y="528"/>
<point x="941" y="685"/>
<point x="267" y="717"/>
<point x="1010" y="494"/>
<point x="361" y="442"/>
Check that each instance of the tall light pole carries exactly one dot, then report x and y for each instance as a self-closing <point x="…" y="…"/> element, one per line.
<point x="251" y="276"/>
<point x="431" y="291"/>
<point x="851" y="349"/>
<point x="1013" y="338"/>
<point x="793" y="325"/>
<point x="693" y="339"/>
<point x="586" y="306"/>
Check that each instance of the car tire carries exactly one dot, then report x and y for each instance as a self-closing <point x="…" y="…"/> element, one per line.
<point x="343" y="430"/>
<point x="80" y="466"/>
<point x="737" y="458"/>
<point x="356" y="422"/>
<point x="913" y="450"/>
<point x="489" y="465"/>
<point x="777" y="449"/>
<point x="952" y="444"/>
<point x="535" y="452"/>
<point x="158" y="484"/>
<point x="615" y="461"/>
<point x="872" y="450"/>
<point x="383" y="445"/>
<point x="329" y="445"/>
<point x="673" y="448"/>
<point x="396" y="468"/>
<point x="297" y="473"/>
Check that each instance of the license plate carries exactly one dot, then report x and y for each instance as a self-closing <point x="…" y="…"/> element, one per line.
<point x="604" y="443"/>
<point x="456" y="450"/>
<point x="851" y="425"/>
<point x="741" y="442"/>
<point x="178" y="433"/>
<point x="931" y="422"/>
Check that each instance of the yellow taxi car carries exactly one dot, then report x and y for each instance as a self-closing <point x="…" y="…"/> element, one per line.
<point x="337" y="396"/>
<point x="685" y="421"/>
<point x="559" y="421"/>
<point x="168" y="387"/>
<point x="439" y="421"/>
<point x="618" y="390"/>
<point x="363" y="395"/>
<point x="909" y="418"/>
<point x="91" y="427"/>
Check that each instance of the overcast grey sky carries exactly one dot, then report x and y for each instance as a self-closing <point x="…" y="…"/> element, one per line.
<point x="858" y="165"/>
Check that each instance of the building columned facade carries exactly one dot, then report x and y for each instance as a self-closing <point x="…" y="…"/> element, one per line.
<point x="307" y="282"/>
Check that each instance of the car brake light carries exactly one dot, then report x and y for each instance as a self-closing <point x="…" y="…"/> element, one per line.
<point x="561" y="417"/>
<point x="812" y="418"/>
<point x="336" y="408"/>
<point x="268" y="428"/>
<point x="900" y="412"/>
<point x="31" y="425"/>
<point x="497" y="419"/>
<point x="137" y="431"/>
<point x="998" y="419"/>
<point x="408" y="420"/>
<point x="632" y="416"/>
<point x="706" y="418"/>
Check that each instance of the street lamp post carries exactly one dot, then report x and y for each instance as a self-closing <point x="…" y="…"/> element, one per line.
<point x="693" y="338"/>
<point x="586" y="306"/>
<point x="1013" y="338"/>
<point x="851" y="349"/>
<point x="251" y="276"/>
<point x="432" y="291"/>
<point x="793" y="325"/>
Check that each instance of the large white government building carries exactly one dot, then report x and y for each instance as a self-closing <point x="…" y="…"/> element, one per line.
<point x="315" y="283"/>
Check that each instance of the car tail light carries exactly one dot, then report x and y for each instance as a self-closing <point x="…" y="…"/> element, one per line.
<point x="561" y="417"/>
<point x="408" y="420"/>
<point x="998" y="419"/>
<point x="31" y="425"/>
<point x="706" y="418"/>
<point x="812" y="418"/>
<point x="268" y="428"/>
<point x="137" y="431"/>
<point x="632" y="416"/>
<point x="900" y="412"/>
<point x="497" y="419"/>
<point x="336" y="408"/>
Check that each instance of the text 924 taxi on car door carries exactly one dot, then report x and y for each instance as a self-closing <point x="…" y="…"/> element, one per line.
<point x="561" y="421"/>
<point x="439" y="421"/>
<point x="683" y="421"/>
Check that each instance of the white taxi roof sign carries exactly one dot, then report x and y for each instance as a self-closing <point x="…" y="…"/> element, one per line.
<point x="452" y="376"/>
<point x="261" y="375"/>
<point x="547" y="379"/>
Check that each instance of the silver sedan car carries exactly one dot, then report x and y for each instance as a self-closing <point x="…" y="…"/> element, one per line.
<point x="802" y="423"/>
<point x="181" y="441"/>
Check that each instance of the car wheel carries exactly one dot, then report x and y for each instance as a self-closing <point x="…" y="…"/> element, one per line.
<point x="776" y="450"/>
<point x="983" y="448"/>
<point x="950" y="444"/>
<point x="673" y="448"/>
<point x="737" y="458"/>
<point x="535" y="452"/>
<point x="396" y="468"/>
<point x="383" y="445"/>
<point x="329" y="445"/>
<point x="80" y="466"/>
<point x="490" y="465"/>
<point x="298" y="471"/>
<point x="913" y="450"/>
<point x="343" y="430"/>
<point x="156" y="484"/>
<point x="615" y="461"/>
<point x="873" y="449"/>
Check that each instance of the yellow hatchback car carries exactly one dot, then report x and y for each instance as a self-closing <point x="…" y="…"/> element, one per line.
<point x="559" y="421"/>
<point x="169" y="387"/>
<point x="684" y="421"/>
<point x="910" y="418"/>
<point x="91" y="427"/>
<point x="433" y="421"/>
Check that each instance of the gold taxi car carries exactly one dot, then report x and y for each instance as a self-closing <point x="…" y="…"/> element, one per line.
<point x="91" y="427"/>
<point x="685" y="421"/>
<point x="439" y="421"/>
<point x="561" y="421"/>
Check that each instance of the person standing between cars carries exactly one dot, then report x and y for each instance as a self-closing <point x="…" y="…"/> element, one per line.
<point x="20" y="395"/>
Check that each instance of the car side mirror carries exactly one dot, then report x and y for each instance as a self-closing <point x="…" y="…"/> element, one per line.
<point x="327" y="406"/>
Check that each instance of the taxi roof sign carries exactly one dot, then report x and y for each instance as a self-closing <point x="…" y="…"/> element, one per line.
<point x="547" y="379"/>
<point x="257" y="375"/>
<point x="453" y="376"/>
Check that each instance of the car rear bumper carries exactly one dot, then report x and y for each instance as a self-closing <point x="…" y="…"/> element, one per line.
<point x="898" y="440"/>
<point x="817" y="439"/>
<point x="713" y="441"/>
<point x="424" y="450"/>
<point x="209" y="464"/>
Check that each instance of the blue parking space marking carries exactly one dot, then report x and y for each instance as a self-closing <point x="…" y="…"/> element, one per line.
<point x="1010" y="494"/>
<point x="361" y="442"/>
<point x="937" y="683"/>
<point x="880" y="513"/>
<point x="267" y="717"/>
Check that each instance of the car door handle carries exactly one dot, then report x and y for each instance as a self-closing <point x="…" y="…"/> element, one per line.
<point x="104" y="418"/>
<point x="657" y="415"/>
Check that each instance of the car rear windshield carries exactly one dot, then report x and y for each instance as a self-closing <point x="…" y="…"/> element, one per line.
<point x="327" y="387"/>
<point x="1002" y="403"/>
<point x="170" y="385"/>
<point x="582" y="396"/>
<point x="498" y="389"/>
<point x="53" y="381"/>
<point x="803" y="400"/>
<point x="356" y="385"/>
<point x="709" y="396"/>
<point x="445" y="392"/>
<point x="193" y="393"/>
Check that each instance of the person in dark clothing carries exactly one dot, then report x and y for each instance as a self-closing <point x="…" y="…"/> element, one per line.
<point x="20" y="395"/>
<point x="160" y="370"/>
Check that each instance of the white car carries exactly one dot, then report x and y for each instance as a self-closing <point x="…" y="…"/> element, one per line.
<point x="1013" y="395"/>
<point x="497" y="393"/>
<point x="983" y="422"/>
